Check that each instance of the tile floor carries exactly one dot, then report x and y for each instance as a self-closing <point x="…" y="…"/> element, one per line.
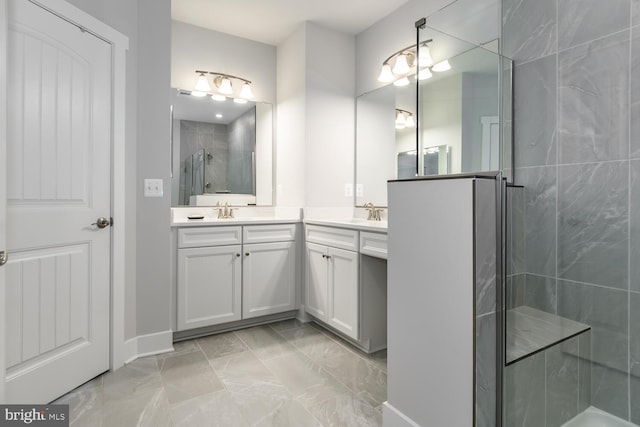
<point x="283" y="374"/>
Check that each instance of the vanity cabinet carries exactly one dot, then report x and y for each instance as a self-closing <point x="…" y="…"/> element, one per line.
<point x="209" y="276"/>
<point x="268" y="278"/>
<point x="230" y="273"/>
<point x="332" y="278"/>
<point x="332" y="287"/>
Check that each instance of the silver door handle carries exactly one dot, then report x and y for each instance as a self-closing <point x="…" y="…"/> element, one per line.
<point x="102" y="222"/>
<point x="4" y="257"/>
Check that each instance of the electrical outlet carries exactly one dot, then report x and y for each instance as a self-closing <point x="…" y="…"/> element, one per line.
<point x="152" y="187"/>
<point x="359" y="190"/>
<point x="348" y="190"/>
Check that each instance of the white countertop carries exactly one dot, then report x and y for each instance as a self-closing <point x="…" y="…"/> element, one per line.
<point x="243" y="216"/>
<point x="185" y="222"/>
<point x="352" y="223"/>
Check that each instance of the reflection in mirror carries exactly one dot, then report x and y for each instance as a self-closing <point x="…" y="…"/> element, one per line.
<point x="379" y="140"/>
<point x="459" y="111"/>
<point x="222" y="151"/>
<point x="435" y="161"/>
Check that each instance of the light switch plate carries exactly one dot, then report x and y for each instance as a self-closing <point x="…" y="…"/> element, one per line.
<point x="152" y="187"/>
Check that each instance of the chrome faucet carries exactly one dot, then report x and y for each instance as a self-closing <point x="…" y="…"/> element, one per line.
<point x="374" y="213"/>
<point x="224" y="212"/>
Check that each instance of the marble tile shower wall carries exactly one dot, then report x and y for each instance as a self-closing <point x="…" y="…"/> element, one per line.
<point x="242" y="137"/>
<point x="577" y="154"/>
<point x="214" y="138"/>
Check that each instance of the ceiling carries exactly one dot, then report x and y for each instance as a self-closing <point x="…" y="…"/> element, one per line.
<point x="272" y="21"/>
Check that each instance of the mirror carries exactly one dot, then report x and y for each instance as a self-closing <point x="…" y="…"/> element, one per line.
<point x="221" y="151"/>
<point x="459" y="113"/>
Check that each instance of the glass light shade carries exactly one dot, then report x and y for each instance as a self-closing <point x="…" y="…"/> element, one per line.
<point x="401" y="66"/>
<point x="409" y="122"/>
<point x="424" y="74"/>
<point x="424" y="56"/>
<point x="441" y="66"/>
<point x="401" y="82"/>
<point x="386" y="75"/>
<point x="198" y="94"/>
<point x="400" y="126"/>
<point x="239" y="100"/>
<point x="246" y="92"/>
<point x="400" y="120"/>
<point x="202" y="85"/>
<point x="224" y="85"/>
<point x="218" y="97"/>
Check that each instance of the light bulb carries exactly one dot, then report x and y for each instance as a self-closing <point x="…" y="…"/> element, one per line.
<point x="401" y="82"/>
<point x="218" y="97"/>
<point x="198" y="93"/>
<point x="441" y="66"/>
<point x="202" y="85"/>
<point x="224" y="85"/>
<point x="245" y="92"/>
<point x="401" y="66"/>
<point x="239" y="100"/>
<point x="424" y="56"/>
<point x="409" y="122"/>
<point x="424" y="74"/>
<point x="386" y="75"/>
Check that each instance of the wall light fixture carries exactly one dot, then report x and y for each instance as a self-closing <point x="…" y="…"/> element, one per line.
<point x="404" y="62"/>
<point x="404" y="119"/>
<point x="223" y="84"/>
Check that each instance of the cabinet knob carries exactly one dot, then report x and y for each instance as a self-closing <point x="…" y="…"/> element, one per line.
<point x="238" y="255"/>
<point x="248" y="253"/>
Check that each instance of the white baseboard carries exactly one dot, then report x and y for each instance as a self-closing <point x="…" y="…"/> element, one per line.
<point x="148" y="345"/>
<point x="391" y="417"/>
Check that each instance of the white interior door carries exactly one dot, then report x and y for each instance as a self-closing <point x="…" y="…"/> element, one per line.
<point x="58" y="184"/>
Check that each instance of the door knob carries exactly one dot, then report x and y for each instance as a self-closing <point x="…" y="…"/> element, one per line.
<point x="102" y="222"/>
<point x="4" y="257"/>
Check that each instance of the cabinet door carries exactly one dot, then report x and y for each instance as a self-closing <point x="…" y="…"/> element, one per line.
<point x="268" y="278"/>
<point x="316" y="281"/>
<point x="343" y="291"/>
<point x="209" y="286"/>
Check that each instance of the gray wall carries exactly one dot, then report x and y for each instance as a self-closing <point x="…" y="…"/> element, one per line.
<point x="577" y="153"/>
<point x="147" y="24"/>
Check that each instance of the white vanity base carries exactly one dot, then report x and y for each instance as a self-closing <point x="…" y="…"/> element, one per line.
<point x="232" y="326"/>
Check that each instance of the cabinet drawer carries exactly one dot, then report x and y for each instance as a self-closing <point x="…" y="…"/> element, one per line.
<point x="209" y="236"/>
<point x="269" y="233"/>
<point x="332" y="236"/>
<point x="373" y="244"/>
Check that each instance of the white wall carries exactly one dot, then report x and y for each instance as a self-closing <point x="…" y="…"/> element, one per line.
<point x="195" y="48"/>
<point x="153" y="214"/>
<point x="330" y="116"/>
<point x="290" y="128"/>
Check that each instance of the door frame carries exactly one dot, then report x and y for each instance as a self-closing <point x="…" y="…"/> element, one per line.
<point x="119" y="46"/>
